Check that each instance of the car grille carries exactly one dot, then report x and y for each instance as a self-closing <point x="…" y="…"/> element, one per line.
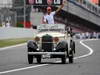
<point x="47" y="43"/>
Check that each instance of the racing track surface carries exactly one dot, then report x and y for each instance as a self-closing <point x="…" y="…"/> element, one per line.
<point x="13" y="61"/>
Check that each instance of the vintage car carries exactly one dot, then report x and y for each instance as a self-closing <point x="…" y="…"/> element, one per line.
<point x="52" y="41"/>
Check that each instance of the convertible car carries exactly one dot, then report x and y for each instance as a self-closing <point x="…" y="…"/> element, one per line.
<point x="52" y="41"/>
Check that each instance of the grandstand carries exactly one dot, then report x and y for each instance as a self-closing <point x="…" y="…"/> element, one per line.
<point x="87" y="18"/>
<point x="81" y="20"/>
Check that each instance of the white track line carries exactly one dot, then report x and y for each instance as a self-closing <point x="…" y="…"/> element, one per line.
<point x="90" y="49"/>
<point x="20" y="69"/>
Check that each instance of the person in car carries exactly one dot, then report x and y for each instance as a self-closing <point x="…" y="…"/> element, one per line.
<point x="48" y="18"/>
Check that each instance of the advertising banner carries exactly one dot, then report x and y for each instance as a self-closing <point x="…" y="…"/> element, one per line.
<point x="44" y="2"/>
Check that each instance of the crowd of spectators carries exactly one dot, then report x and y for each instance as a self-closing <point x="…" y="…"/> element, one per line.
<point x="87" y="35"/>
<point x="6" y="24"/>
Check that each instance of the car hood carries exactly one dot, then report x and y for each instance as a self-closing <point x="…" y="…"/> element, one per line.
<point x="53" y="34"/>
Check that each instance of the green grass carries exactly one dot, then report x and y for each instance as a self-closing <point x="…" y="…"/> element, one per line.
<point x="0" y="25"/>
<point x="10" y="42"/>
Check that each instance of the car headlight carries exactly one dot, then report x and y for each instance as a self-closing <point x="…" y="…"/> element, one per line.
<point x="37" y="39"/>
<point x="56" y="39"/>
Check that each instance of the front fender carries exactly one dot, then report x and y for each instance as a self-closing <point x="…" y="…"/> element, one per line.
<point x="62" y="46"/>
<point x="32" y="44"/>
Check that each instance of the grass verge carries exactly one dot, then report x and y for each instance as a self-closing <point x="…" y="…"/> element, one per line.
<point x="10" y="42"/>
<point x="0" y="25"/>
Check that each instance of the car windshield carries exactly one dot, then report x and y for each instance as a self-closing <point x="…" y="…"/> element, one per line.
<point x="51" y="27"/>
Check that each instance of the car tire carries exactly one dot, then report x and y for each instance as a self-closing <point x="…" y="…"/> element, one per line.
<point x="73" y="46"/>
<point x="30" y="59"/>
<point x="71" y="59"/>
<point x="71" y="56"/>
<point x="38" y="59"/>
<point x="63" y="60"/>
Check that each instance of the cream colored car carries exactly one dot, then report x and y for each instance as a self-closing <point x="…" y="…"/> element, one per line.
<point x="52" y="41"/>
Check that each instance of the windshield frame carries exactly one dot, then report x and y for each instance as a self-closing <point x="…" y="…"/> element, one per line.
<point x="51" y="27"/>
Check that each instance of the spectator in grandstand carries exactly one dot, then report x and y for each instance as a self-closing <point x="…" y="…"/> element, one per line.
<point x="48" y="18"/>
<point x="87" y="35"/>
<point x="98" y="35"/>
<point x="82" y="35"/>
<point x="94" y="35"/>
<point x="3" y="24"/>
<point x="8" y="24"/>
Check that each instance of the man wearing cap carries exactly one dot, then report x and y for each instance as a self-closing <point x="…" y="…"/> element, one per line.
<point x="49" y="17"/>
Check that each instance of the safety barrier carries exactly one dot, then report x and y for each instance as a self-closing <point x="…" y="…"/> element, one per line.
<point x="7" y="33"/>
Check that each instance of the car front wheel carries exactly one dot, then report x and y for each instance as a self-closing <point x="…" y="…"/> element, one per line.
<point x="38" y="59"/>
<point x="71" y="59"/>
<point x="63" y="60"/>
<point x="30" y="59"/>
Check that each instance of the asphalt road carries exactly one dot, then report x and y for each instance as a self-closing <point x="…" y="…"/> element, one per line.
<point x="13" y="61"/>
